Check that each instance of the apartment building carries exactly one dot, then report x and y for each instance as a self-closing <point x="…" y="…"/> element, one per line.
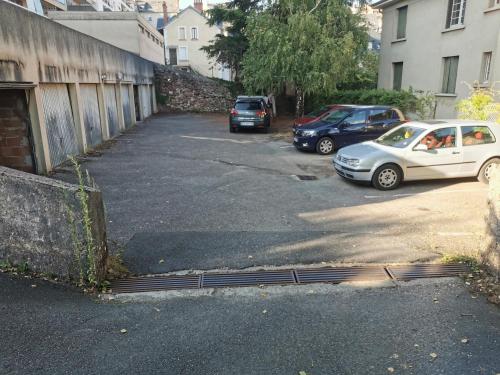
<point x="440" y="46"/>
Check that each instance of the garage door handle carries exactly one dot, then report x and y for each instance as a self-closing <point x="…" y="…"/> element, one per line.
<point x="455" y="152"/>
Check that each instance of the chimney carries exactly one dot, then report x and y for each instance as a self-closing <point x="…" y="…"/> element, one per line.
<point x="198" y="5"/>
<point x="165" y="14"/>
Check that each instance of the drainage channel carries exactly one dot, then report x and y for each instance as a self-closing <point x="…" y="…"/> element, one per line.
<point x="298" y="276"/>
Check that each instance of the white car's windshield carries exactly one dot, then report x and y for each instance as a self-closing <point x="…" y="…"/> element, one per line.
<point x="400" y="137"/>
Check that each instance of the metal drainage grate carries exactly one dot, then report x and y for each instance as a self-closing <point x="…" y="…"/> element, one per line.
<point x="149" y="284"/>
<point x="286" y="277"/>
<point x="340" y="274"/>
<point x="223" y="280"/>
<point x="303" y="177"/>
<point x="418" y="271"/>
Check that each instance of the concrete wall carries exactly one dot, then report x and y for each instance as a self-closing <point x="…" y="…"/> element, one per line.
<point x="187" y="91"/>
<point x="197" y="60"/>
<point x="35" y="226"/>
<point x="427" y="42"/>
<point x="49" y="62"/>
<point x="491" y="248"/>
<point x="120" y="29"/>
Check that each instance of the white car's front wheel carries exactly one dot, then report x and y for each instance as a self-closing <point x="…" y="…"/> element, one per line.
<point x="485" y="171"/>
<point x="387" y="177"/>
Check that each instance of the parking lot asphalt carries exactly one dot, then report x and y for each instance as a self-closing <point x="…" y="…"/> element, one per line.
<point x="181" y="192"/>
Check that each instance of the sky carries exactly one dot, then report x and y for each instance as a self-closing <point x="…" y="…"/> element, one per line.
<point x="184" y="3"/>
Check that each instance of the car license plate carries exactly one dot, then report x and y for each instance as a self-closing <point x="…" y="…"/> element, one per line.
<point x="246" y="123"/>
<point x="295" y="139"/>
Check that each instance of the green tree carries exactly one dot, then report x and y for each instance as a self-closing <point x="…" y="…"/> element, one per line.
<point x="228" y="48"/>
<point x="313" y="45"/>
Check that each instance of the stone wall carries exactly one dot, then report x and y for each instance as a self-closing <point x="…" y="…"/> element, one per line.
<point x="35" y="224"/>
<point x="180" y="91"/>
<point x="491" y="249"/>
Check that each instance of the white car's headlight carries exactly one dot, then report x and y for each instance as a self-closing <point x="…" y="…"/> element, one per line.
<point x="309" y="133"/>
<point x="352" y="162"/>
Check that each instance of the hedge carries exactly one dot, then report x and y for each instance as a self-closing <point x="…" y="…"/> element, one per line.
<point x="406" y="100"/>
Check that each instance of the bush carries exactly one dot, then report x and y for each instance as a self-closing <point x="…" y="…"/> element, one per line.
<point x="413" y="103"/>
<point x="480" y="105"/>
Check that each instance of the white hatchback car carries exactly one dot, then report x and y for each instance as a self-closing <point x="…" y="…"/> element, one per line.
<point x="423" y="150"/>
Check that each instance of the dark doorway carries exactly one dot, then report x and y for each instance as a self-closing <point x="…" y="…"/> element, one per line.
<point x="172" y="53"/>
<point x="16" y="145"/>
<point x="137" y="103"/>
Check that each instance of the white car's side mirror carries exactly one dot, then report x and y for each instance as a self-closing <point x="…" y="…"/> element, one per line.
<point x="420" y="147"/>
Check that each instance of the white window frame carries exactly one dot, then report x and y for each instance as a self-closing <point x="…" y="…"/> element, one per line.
<point x="456" y="14"/>
<point x="179" y="56"/>
<point x="196" y="35"/>
<point x="179" y="36"/>
<point x="486" y="67"/>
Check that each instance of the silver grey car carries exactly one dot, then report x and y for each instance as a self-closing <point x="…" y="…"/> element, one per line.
<point x="421" y="151"/>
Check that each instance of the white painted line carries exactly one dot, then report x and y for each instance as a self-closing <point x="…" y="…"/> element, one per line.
<point x="455" y="234"/>
<point x="216" y="139"/>
<point x="288" y="146"/>
<point x="424" y="193"/>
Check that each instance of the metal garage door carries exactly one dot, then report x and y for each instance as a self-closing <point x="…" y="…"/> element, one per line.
<point x="59" y="122"/>
<point x="112" y="112"/>
<point x="145" y="100"/>
<point x="127" y="115"/>
<point x="91" y="118"/>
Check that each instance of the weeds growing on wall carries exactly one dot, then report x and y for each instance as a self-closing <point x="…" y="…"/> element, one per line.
<point x="85" y="248"/>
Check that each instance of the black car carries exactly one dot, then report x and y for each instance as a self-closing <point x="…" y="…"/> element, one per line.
<point x="249" y="113"/>
<point x="346" y="125"/>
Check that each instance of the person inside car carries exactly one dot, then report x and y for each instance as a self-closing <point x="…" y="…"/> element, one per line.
<point x="431" y="141"/>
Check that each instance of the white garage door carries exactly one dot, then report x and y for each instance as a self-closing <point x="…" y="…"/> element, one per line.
<point x="127" y="114"/>
<point x="91" y="118"/>
<point x="111" y="110"/>
<point x="61" y="131"/>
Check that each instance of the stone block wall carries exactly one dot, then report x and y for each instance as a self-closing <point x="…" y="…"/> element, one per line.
<point x="180" y="91"/>
<point x="36" y="229"/>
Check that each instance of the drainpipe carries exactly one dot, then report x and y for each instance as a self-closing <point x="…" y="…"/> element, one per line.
<point x="165" y="21"/>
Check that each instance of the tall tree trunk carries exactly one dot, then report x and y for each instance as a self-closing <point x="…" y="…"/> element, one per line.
<point x="299" y="103"/>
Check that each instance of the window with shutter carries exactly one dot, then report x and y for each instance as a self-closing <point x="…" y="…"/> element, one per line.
<point x="397" y="75"/>
<point x="402" y="17"/>
<point x="450" y="74"/>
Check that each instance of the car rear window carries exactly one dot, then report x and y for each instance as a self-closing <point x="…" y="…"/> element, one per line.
<point x="476" y="135"/>
<point x="248" y="106"/>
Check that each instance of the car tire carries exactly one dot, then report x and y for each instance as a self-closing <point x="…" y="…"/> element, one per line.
<point x="484" y="172"/>
<point x="387" y="177"/>
<point x="325" y="146"/>
<point x="232" y="130"/>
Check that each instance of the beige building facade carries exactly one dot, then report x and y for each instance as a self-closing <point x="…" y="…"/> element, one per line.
<point x="440" y="46"/>
<point x="184" y="35"/>
<point x="125" y="30"/>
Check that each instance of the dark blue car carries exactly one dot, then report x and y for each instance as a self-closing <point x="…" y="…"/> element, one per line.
<point x="345" y="126"/>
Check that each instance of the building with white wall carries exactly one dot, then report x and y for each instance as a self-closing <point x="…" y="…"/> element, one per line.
<point x="440" y="46"/>
<point x="125" y="30"/>
<point x="184" y="35"/>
